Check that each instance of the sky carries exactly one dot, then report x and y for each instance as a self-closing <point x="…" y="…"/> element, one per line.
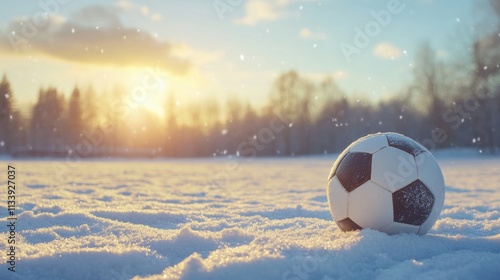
<point x="203" y="48"/>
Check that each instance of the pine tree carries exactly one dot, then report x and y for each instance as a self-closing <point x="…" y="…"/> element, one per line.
<point x="172" y="128"/>
<point x="74" y="121"/>
<point x="90" y="108"/>
<point x="47" y="128"/>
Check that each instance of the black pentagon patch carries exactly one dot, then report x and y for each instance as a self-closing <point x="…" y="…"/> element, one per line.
<point x="348" y="225"/>
<point x="404" y="143"/>
<point x="354" y="170"/>
<point x="412" y="204"/>
<point x="337" y="163"/>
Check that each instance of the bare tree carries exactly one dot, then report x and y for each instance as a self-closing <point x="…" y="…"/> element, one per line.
<point x="430" y="87"/>
<point x="283" y="101"/>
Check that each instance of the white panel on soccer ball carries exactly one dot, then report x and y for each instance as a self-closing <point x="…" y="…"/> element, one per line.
<point x="435" y="212"/>
<point x="370" y="144"/>
<point x="370" y="206"/>
<point x="395" y="228"/>
<point x="393" y="168"/>
<point x="429" y="172"/>
<point x="337" y="199"/>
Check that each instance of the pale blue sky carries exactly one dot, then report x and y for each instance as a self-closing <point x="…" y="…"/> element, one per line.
<point x="243" y="52"/>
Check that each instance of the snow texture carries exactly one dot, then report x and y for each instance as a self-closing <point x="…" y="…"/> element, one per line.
<point x="228" y="219"/>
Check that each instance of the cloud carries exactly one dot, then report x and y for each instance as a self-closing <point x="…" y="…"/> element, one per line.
<point x="144" y="10"/>
<point x="124" y="5"/>
<point x="156" y="17"/>
<point x="97" y="15"/>
<point x="127" y="6"/>
<point x="386" y="50"/>
<point x="94" y="35"/>
<point x="263" y="10"/>
<point x="306" y="33"/>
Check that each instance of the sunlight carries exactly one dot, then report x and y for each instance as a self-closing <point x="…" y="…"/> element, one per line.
<point x="155" y="109"/>
<point x="147" y="90"/>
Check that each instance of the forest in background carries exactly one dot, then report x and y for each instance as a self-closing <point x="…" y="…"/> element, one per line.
<point x="447" y="104"/>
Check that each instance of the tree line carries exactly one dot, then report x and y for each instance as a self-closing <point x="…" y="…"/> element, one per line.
<point x="447" y="104"/>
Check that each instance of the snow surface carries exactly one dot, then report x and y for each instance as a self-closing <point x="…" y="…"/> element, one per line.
<point x="265" y="219"/>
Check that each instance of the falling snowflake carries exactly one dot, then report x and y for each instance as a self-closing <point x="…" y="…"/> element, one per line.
<point x="242" y="57"/>
<point x="2" y="143"/>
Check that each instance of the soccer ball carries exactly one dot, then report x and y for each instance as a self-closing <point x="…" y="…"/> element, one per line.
<point x="387" y="182"/>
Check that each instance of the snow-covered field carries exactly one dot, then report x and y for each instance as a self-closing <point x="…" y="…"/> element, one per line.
<point x="261" y="219"/>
